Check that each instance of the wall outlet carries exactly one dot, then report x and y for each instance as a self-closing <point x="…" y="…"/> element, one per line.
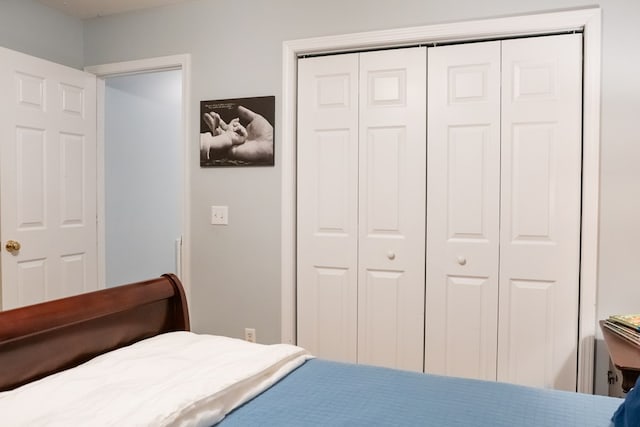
<point x="250" y="334"/>
<point x="220" y="215"/>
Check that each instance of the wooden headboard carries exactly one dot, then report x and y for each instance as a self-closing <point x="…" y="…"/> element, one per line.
<point x="42" y="339"/>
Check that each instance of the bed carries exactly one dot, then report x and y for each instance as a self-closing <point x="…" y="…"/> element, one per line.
<point x="44" y="345"/>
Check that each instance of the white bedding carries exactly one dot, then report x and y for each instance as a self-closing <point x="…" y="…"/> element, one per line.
<point x="174" y="379"/>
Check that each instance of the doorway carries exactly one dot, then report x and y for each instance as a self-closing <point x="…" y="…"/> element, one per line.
<point x="143" y="163"/>
<point x="143" y="183"/>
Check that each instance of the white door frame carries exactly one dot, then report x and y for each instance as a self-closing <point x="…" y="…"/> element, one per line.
<point x="104" y="71"/>
<point x="588" y="20"/>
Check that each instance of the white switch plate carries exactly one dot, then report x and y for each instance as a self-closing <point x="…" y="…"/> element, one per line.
<point x="220" y="215"/>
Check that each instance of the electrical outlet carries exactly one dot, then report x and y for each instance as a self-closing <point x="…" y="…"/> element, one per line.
<point x="220" y="215"/>
<point x="250" y="334"/>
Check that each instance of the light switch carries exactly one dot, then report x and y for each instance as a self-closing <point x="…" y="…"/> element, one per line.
<point x="220" y="215"/>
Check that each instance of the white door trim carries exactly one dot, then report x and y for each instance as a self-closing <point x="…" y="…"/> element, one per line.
<point x="588" y="20"/>
<point x="174" y="62"/>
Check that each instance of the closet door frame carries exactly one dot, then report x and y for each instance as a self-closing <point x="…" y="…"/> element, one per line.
<point x="587" y="20"/>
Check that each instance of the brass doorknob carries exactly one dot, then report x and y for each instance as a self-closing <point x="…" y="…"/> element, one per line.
<point x="12" y="246"/>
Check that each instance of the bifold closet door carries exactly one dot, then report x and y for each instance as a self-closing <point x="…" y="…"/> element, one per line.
<point x="463" y="200"/>
<point x="392" y="208"/>
<point x="540" y="211"/>
<point x="503" y="218"/>
<point x="361" y="207"/>
<point x="327" y="206"/>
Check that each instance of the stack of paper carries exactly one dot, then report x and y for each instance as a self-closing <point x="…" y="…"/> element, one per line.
<point x="625" y="325"/>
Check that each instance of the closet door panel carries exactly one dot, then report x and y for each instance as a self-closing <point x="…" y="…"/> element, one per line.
<point x="462" y="210"/>
<point x="328" y="206"/>
<point x="540" y="211"/>
<point x="392" y="208"/>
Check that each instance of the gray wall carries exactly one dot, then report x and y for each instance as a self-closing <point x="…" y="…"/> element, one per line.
<point x="34" y="29"/>
<point x="236" y="51"/>
<point x="143" y="175"/>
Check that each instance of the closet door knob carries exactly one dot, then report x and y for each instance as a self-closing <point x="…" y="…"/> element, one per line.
<point x="462" y="260"/>
<point x="391" y="255"/>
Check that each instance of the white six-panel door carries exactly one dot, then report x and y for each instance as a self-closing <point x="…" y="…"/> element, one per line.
<point x="463" y="199"/>
<point x="48" y="182"/>
<point x="361" y="207"/>
<point x="540" y="211"/>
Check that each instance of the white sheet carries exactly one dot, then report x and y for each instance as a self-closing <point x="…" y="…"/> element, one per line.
<point x="175" y="379"/>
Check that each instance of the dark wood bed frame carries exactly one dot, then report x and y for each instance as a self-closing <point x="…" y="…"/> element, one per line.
<point x="42" y="339"/>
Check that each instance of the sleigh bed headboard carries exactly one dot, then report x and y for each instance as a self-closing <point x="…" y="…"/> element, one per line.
<point x="42" y="339"/>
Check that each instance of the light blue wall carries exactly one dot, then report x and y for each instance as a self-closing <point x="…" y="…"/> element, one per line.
<point x="143" y="175"/>
<point x="29" y="27"/>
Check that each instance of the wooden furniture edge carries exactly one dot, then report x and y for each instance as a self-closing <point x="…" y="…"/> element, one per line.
<point x="624" y="355"/>
<point x="45" y="338"/>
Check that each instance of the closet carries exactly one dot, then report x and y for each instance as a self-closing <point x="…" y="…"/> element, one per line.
<point x="480" y="279"/>
<point x="361" y="206"/>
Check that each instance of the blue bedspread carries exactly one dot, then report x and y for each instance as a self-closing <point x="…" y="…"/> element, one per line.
<point x="322" y="393"/>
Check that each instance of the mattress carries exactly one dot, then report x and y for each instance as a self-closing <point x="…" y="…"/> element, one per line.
<point x="324" y="393"/>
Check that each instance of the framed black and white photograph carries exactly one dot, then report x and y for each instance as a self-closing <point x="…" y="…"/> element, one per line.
<point x="237" y="132"/>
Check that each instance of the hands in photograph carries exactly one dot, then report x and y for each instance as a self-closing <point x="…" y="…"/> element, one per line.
<point x="222" y="136"/>
<point x="253" y="143"/>
<point x="258" y="146"/>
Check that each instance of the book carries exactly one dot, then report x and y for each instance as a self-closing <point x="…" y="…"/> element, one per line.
<point x="623" y="332"/>
<point x="629" y="320"/>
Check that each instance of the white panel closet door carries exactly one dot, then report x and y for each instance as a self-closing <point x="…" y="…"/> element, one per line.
<point x="327" y="235"/>
<point x="540" y="211"/>
<point x="361" y="206"/>
<point x="463" y="187"/>
<point x="392" y="208"/>
<point x="48" y="175"/>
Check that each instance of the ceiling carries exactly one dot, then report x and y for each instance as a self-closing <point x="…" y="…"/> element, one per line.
<point x="91" y="8"/>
